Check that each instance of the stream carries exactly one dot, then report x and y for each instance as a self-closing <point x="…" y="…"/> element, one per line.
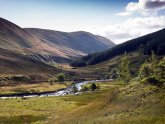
<point x="61" y="92"/>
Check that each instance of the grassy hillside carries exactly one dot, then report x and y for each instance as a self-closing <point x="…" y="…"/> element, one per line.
<point x="113" y="103"/>
<point x="14" y="63"/>
<point x="73" y="43"/>
<point x="145" y="44"/>
<point x="135" y="103"/>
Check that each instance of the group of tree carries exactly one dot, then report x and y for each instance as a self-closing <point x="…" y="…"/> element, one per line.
<point x="151" y="71"/>
<point x="153" y="41"/>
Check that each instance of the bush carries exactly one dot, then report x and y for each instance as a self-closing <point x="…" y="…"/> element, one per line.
<point x="152" y="81"/>
<point x="61" y="77"/>
<point x="84" y="88"/>
<point x="93" y="86"/>
<point x="19" y="78"/>
<point x="51" y="80"/>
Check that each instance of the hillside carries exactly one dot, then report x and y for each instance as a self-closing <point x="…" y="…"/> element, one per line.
<point x="76" y="43"/>
<point x="145" y="44"/>
<point x="16" y="63"/>
<point x="49" y="46"/>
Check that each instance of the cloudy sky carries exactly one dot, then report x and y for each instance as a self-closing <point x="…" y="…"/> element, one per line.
<point x="118" y="20"/>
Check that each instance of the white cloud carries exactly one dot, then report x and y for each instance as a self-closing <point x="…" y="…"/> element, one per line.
<point x="124" y="14"/>
<point x="144" y="7"/>
<point x="131" y="28"/>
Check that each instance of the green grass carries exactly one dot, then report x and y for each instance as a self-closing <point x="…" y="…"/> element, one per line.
<point x="112" y="104"/>
<point x="38" y="87"/>
<point x="133" y="104"/>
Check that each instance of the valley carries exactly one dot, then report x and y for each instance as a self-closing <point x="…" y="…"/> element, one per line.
<point x="55" y="77"/>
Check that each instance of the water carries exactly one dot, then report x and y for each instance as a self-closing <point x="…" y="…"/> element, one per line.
<point x="62" y="92"/>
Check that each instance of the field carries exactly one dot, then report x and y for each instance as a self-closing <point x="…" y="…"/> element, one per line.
<point x="37" y="87"/>
<point x="113" y="103"/>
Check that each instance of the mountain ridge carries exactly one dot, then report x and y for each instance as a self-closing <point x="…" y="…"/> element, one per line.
<point x="147" y="43"/>
<point x="49" y="45"/>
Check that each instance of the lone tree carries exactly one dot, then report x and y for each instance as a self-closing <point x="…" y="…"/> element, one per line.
<point x="51" y="81"/>
<point x="61" y="77"/>
<point x="93" y="86"/>
<point x="123" y="69"/>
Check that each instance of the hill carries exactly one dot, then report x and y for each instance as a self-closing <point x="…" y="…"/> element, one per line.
<point x="15" y="64"/>
<point x="49" y="46"/>
<point x="145" y="44"/>
<point x="74" y="43"/>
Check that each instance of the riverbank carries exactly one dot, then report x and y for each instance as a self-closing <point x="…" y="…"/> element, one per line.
<point x="59" y="90"/>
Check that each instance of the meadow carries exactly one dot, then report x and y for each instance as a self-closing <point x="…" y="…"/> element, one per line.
<point x="112" y="103"/>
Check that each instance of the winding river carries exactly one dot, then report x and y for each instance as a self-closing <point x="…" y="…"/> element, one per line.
<point x="61" y="92"/>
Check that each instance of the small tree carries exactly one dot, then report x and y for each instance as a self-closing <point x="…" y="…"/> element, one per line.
<point x="61" y="77"/>
<point x="153" y="60"/>
<point x="150" y="68"/>
<point x="161" y="68"/>
<point x="51" y="81"/>
<point x="93" y="86"/>
<point x="145" y="70"/>
<point x="123" y="70"/>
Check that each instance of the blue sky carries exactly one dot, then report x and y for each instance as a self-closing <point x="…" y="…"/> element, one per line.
<point x="102" y="17"/>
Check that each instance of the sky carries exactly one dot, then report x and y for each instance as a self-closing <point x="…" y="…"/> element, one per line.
<point x="118" y="20"/>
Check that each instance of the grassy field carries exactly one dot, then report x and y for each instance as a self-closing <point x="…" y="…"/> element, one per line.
<point x="113" y="103"/>
<point x="37" y="87"/>
<point x="133" y="104"/>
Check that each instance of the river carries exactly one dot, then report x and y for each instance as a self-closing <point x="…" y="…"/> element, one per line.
<point x="61" y="92"/>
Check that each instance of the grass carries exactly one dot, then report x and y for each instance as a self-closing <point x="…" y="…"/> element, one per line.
<point x="133" y="104"/>
<point x="37" y="87"/>
<point x="112" y="104"/>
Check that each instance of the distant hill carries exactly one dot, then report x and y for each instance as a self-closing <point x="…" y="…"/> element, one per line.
<point x="48" y="45"/>
<point x="73" y="43"/>
<point x="154" y="41"/>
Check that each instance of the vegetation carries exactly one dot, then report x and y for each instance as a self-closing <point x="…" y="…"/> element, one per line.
<point x="145" y="44"/>
<point x="132" y="104"/>
<point x="51" y="81"/>
<point x="61" y="77"/>
<point x="74" y="90"/>
<point x="152" y="71"/>
<point x="30" y="88"/>
<point x="93" y="86"/>
<point x="123" y="69"/>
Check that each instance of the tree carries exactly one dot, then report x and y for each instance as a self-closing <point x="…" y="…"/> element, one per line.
<point x="153" y="60"/>
<point x="149" y="68"/>
<point x="93" y="86"/>
<point x="161" y="68"/>
<point x="123" y="69"/>
<point x="51" y="80"/>
<point x="61" y="77"/>
<point x="145" y="70"/>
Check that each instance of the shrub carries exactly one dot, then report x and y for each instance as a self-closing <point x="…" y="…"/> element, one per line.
<point x="98" y="86"/>
<point x="93" y="86"/>
<point x="19" y="78"/>
<point x="153" y="81"/>
<point x="51" y="80"/>
<point x="61" y="77"/>
<point x="84" y="88"/>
